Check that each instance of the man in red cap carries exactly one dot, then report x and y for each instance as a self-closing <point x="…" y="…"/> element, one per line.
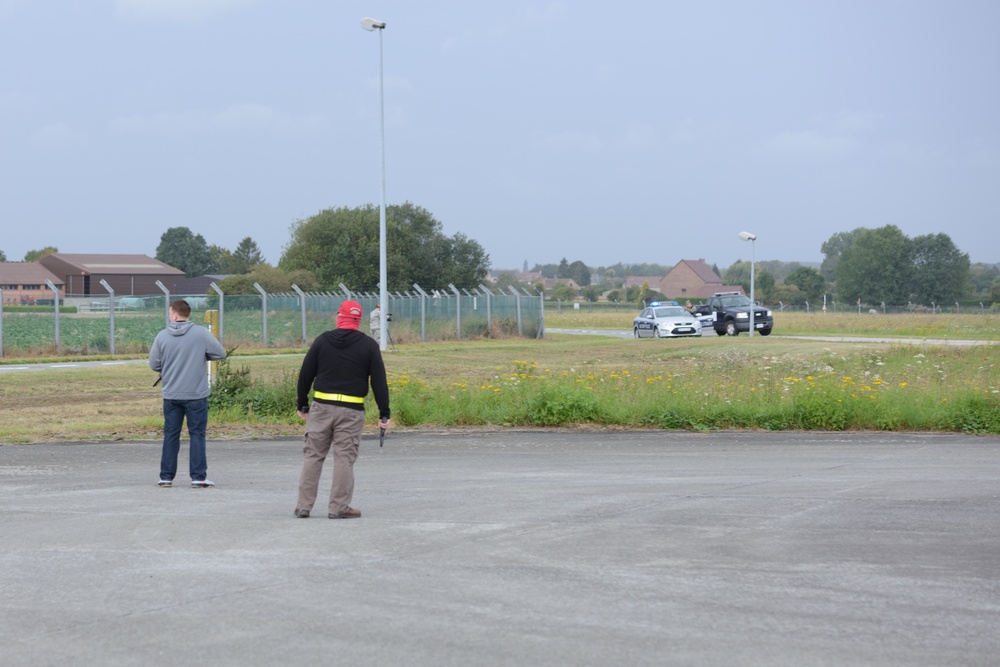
<point x="338" y="367"/>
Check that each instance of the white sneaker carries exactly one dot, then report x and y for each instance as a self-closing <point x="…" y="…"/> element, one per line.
<point x="202" y="484"/>
<point x="165" y="483"/>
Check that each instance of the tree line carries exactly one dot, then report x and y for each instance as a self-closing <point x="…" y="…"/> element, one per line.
<point x="880" y="265"/>
<point x="335" y="246"/>
<point x="341" y="245"/>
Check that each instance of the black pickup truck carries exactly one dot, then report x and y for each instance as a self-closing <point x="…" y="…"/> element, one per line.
<point x="731" y="313"/>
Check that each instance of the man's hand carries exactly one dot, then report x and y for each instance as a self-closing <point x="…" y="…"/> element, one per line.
<point x="304" y="415"/>
<point x="383" y="426"/>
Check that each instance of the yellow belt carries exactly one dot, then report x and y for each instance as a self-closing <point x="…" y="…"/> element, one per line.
<point x="344" y="398"/>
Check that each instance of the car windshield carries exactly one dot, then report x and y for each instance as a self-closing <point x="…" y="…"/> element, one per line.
<point x="735" y="301"/>
<point x="674" y="311"/>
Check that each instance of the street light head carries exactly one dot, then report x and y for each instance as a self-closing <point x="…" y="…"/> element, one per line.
<point x="371" y="25"/>
<point x="747" y="236"/>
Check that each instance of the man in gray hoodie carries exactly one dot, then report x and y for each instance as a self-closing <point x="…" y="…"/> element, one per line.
<point x="179" y="354"/>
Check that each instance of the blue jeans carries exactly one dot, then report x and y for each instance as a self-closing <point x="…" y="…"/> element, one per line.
<point x="174" y="412"/>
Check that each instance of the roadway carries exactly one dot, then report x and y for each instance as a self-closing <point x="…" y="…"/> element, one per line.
<point x="514" y="547"/>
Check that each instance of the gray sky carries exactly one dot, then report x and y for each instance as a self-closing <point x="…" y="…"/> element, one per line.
<point x="601" y="131"/>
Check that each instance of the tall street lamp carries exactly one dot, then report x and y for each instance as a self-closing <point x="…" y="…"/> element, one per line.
<point x="747" y="236"/>
<point x="372" y="25"/>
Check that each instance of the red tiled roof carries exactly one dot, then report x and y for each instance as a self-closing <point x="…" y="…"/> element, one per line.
<point x="702" y="270"/>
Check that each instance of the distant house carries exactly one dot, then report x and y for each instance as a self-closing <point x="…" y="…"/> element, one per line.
<point x="691" y="279"/>
<point x="549" y="283"/>
<point x="639" y="281"/>
<point x="23" y="283"/>
<point x="530" y="277"/>
<point x="126" y="274"/>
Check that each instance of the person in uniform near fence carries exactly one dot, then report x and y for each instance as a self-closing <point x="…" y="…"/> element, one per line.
<point x="338" y="367"/>
<point x="179" y="354"/>
<point x="375" y="323"/>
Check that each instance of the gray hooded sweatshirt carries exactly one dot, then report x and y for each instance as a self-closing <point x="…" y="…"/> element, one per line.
<point x="179" y="354"/>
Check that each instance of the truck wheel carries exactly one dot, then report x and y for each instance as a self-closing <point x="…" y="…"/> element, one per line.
<point x="765" y="332"/>
<point x="731" y="329"/>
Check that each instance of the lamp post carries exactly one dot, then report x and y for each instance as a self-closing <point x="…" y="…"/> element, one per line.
<point x="371" y="25"/>
<point x="747" y="236"/>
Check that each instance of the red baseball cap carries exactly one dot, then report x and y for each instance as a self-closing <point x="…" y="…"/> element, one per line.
<point x="350" y="309"/>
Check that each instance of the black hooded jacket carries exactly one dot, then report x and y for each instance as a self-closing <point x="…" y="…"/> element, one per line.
<point x="343" y="361"/>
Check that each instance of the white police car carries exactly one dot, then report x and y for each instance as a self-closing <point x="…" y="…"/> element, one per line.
<point x="665" y="320"/>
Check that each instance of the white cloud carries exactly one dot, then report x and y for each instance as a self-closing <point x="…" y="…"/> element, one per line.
<point x="15" y="101"/>
<point x="684" y="132"/>
<point x="846" y="121"/>
<point x="639" y="137"/>
<point x="393" y="84"/>
<point x="833" y="135"/>
<point x="7" y="7"/>
<point x="689" y="131"/>
<point x="909" y="154"/>
<point x="587" y="143"/>
<point x="58" y="134"/>
<point x="808" y="144"/>
<point x="177" y="10"/>
<point x="540" y="14"/>
<point x="235" y="119"/>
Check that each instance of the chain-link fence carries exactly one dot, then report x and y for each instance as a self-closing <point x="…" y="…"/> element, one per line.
<point x="884" y="309"/>
<point x="88" y="325"/>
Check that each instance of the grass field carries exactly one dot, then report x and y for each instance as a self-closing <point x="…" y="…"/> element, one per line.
<point x="699" y="384"/>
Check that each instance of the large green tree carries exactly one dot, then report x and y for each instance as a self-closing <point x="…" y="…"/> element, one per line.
<point x="35" y="255"/>
<point x="271" y="279"/>
<point x="940" y="270"/>
<point x="219" y="258"/>
<point x="591" y="293"/>
<point x="876" y="267"/>
<point x="809" y="282"/>
<point x="561" y="291"/>
<point x="182" y="249"/>
<point x="833" y="248"/>
<point x="981" y="276"/>
<point x="342" y="246"/>
<point x="467" y="262"/>
<point x="246" y="256"/>
<point x="739" y="274"/>
<point x="579" y="272"/>
<point x="547" y="270"/>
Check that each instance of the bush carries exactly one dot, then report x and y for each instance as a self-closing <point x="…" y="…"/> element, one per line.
<point x="555" y="406"/>
<point x="236" y="392"/>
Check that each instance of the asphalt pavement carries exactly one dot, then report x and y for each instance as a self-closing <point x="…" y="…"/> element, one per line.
<point x="511" y="548"/>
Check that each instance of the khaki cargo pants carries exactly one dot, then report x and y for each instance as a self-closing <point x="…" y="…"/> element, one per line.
<point x="340" y="427"/>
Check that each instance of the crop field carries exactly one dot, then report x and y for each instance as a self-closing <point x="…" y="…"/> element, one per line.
<point x="31" y="335"/>
<point x="34" y="335"/>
